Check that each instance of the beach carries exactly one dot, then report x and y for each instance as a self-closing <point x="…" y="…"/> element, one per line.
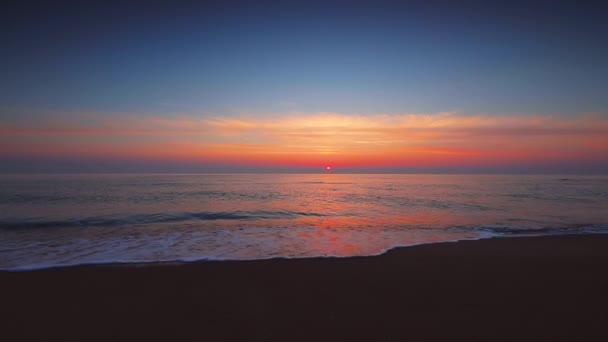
<point x="550" y="288"/>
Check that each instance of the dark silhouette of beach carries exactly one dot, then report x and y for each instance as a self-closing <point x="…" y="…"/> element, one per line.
<point x="552" y="288"/>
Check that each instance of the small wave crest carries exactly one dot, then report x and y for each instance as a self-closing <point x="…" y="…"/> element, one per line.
<point x="500" y="230"/>
<point x="113" y="221"/>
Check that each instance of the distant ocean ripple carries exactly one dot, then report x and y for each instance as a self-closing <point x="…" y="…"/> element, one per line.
<point x="62" y="220"/>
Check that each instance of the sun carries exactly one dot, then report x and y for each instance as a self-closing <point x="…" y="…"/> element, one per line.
<point x="328" y="168"/>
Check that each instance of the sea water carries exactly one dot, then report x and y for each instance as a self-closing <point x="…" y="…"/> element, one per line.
<point x="62" y="220"/>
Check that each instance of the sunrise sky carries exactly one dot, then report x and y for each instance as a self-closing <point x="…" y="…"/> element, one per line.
<point x="295" y="87"/>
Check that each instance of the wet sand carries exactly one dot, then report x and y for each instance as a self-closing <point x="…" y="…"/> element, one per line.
<point x="512" y="289"/>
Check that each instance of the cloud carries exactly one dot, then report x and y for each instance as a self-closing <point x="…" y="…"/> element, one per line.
<point x="298" y="138"/>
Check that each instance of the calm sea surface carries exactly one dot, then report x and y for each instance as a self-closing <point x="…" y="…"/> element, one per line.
<point x="59" y="220"/>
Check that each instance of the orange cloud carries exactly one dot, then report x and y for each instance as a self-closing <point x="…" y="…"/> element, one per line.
<point x="317" y="138"/>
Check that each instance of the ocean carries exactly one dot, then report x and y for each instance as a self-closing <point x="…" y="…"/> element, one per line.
<point x="63" y="220"/>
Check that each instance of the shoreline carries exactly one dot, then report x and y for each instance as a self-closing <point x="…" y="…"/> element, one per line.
<point x="543" y="288"/>
<point x="179" y="262"/>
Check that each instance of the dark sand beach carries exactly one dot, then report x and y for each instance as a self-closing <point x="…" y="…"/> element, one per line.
<point x="551" y="288"/>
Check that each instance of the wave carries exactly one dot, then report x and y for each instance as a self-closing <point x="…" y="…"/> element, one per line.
<point x="492" y="232"/>
<point x="500" y="230"/>
<point x="113" y="221"/>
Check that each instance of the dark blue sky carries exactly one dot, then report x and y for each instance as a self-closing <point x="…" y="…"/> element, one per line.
<point x="228" y="57"/>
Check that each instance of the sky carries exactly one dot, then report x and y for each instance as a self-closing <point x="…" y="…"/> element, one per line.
<point x="259" y="86"/>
